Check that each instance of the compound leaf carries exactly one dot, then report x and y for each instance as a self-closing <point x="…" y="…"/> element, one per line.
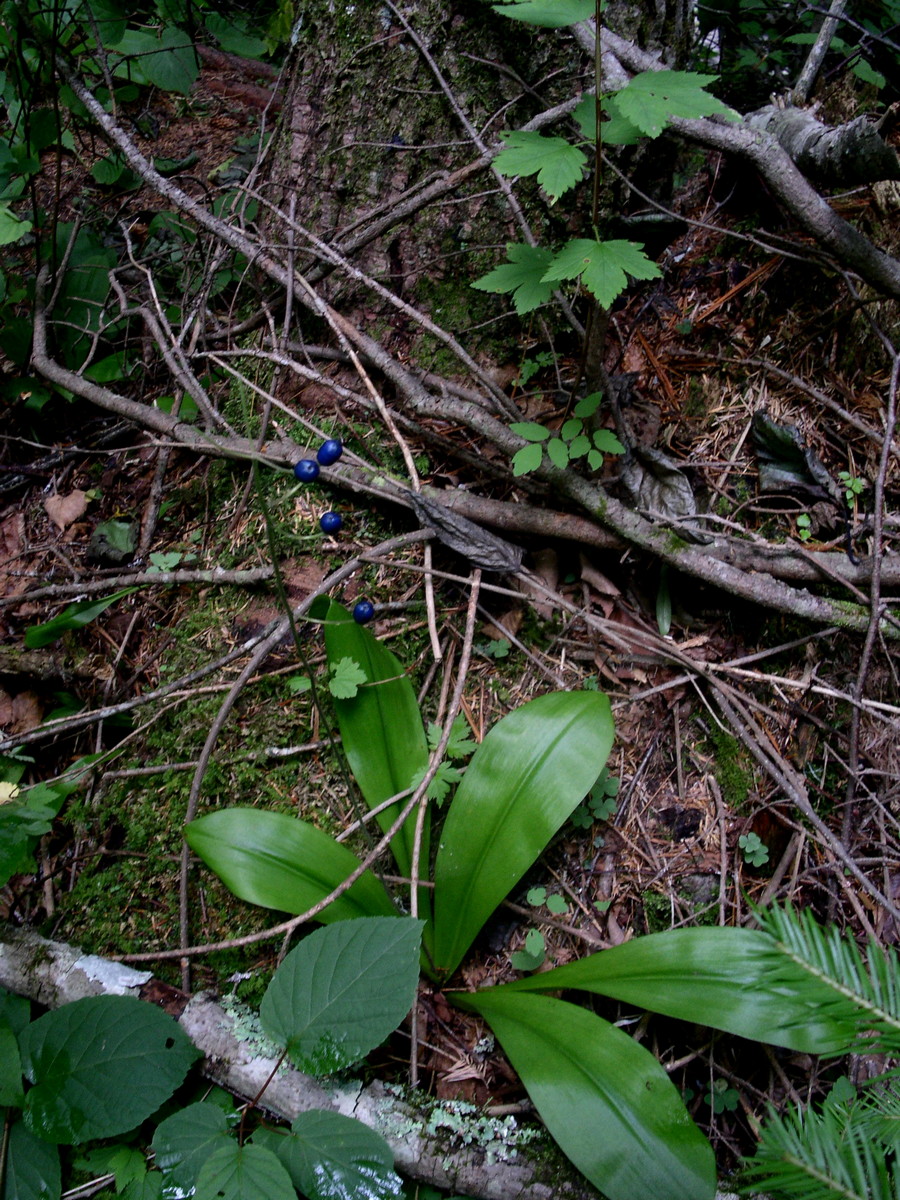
<point x="346" y="678"/>
<point x="605" y="1099"/>
<point x="527" y="459"/>
<point x="100" y="1066"/>
<point x="522" y="275"/>
<point x="530" y="431"/>
<point x="557" y="163"/>
<point x="342" y="991"/>
<point x="652" y="97"/>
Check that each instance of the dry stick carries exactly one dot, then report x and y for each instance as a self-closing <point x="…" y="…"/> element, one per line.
<point x="816" y="56"/>
<point x="890" y="421"/>
<point x="762" y="589"/>
<point x="260" y="653"/>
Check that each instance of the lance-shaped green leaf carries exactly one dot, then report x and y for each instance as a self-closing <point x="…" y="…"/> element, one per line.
<point x="77" y="615"/>
<point x="603" y="267"/>
<point x="550" y="14"/>
<point x="342" y="991"/>
<point x="523" y="275"/>
<point x="381" y="727"/>
<point x="279" y="862"/>
<point x="652" y="97"/>
<point x="605" y="1099"/>
<point x="557" y="163"/>
<point x="732" y="979"/>
<point x="526" y="778"/>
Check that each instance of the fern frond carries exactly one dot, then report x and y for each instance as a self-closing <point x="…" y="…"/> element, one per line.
<point x="819" y="1156"/>
<point x="867" y="989"/>
<point x="879" y="1116"/>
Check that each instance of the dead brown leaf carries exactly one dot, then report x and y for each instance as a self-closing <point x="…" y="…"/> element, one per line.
<point x="63" y="511"/>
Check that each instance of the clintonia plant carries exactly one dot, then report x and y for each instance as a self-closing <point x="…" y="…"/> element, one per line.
<point x="604" y="1097"/>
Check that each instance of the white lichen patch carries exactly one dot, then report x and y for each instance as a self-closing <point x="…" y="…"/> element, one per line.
<point x="245" y="1027"/>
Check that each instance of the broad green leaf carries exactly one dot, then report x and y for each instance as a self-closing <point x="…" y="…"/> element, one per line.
<point x="81" y="613"/>
<point x="126" y="1163"/>
<point x="529" y="774"/>
<point x="605" y="1099"/>
<point x="249" y="1172"/>
<point x="523" y="275"/>
<point x="527" y="459"/>
<point x="652" y="97"/>
<point x="381" y="729"/>
<point x="603" y="266"/>
<point x="183" y="1142"/>
<point x="530" y="431"/>
<point x="11" y="1093"/>
<point x="233" y="38"/>
<point x="168" y="62"/>
<point x="279" y="862"/>
<point x="557" y="163"/>
<point x="588" y="405"/>
<point x="550" y="14"/>
<point x="14" y="1010"/>
<point x="32" y="1166"/>
<point x="732" y="979"/>
<point x="12" y="229"/>
<point x="615" y="130"/>
<point x="342" y="991"/>
<point x="331" y="1157"/>
<point x="100" y="1066"/>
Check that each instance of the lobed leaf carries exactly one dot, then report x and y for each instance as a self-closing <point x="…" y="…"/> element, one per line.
<point x="557" y="163"/>
<point x="522" y="275"/>
<point x="651" y="98"/>
<point x="605" y="1099"/>
<point x="603" y="266"/>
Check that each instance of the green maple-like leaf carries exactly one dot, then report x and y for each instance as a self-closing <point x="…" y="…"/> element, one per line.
<point x="557" y="163"/>
<point x="346" y="678"/>
<point x="460" y="744"/>
<point x="603" y="266"/>
<point x="550" y="14"/>
<point x="651" y="98"/>
<point x="522" y="275"/>
<point x="616" y="130"/>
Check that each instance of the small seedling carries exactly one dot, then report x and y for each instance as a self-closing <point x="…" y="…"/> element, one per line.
<point x="534" y="953"/>
<point x="346" y="678"/>
<point x="721" y="1097"/>
<point x="804" y="527"/>
<point x="755" y="851"/>
<point x="600" y="804"/>
<point x="566" y="445"/>
<point x="853" y="487"/>
<point x="531" y="366"/>
<point x="497" y="648"/>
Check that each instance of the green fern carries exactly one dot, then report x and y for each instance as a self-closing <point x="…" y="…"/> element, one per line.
<point x="867" y="988"/>
<point x="848" y="1147"/>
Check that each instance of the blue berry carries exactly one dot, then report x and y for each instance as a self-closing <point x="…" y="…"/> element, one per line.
<point x="330" y="522"/>
<point x="306" y="470"/>
<point x="329" y="452"/>
<point x="363" y="612"/>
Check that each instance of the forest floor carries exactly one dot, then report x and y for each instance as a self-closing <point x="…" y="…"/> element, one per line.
<point x="688" y="828"/>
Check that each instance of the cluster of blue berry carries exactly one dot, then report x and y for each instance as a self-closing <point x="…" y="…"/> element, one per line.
<point x="307" y="470"/>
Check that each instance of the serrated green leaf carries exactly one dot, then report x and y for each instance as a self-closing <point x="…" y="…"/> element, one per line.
<point x="460" y="745"/>
<point x="588" y="405"/>
<point x="606" y="441"/>
<point x="522" y="275"/>
<point x="530" y="431"/>
<point x="332" y="1157"/>
<point x="445" y="777"/>
<point x="183" y="1142"/>
<point x="236" y="1172"/>
<point x="278" y="862"/>
<point x="527" y="459"/>
<point x="604" y="1098"/>
<point x="652" y="97"/>
<point x="342" y="991"/>
<point x="603" y="266"/>
<point x="615" y="129"/>
<point x="549" y="14"/>
<point x="557" y="163"/>
<point x="32" y="1166"/>
<point x="571" y="428"/>
<point x="579" y="446"/>
<point x="347" y="676"/>
<point x="595" y="460"/>
<point x="525" y="779"/>
<point x="558" y="453"/>
<point x="83" y="1060"/>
